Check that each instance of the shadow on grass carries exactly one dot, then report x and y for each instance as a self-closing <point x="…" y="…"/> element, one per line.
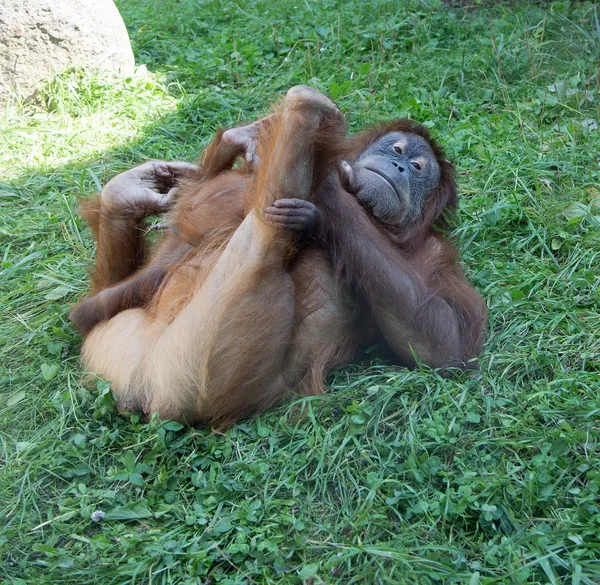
<point x="46" y="248"/>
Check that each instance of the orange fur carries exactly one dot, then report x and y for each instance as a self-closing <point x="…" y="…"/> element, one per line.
<point x="232" y="314"/>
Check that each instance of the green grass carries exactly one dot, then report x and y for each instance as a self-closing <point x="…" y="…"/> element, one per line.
<point x="393" y="477"/>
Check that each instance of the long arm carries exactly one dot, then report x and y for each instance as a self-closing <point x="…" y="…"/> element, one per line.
<point x="228" y="145"/>
<point x="116" y="216"/>
<point x="438" y="317"/>
<point x="121" y="279"/>
<point x="120" y="246"/>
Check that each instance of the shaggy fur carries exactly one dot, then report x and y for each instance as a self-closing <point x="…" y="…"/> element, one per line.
<point x="231" y="314"/>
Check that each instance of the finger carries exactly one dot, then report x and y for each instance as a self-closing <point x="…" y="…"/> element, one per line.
<point x="170" y="196"/>
<point x="178" y="167"/>
<point x="294" y="203"/>
<point x="290" y="208"/>
<point x="144" y="172"/>
<point x="250" y="152"/>
<point x="152" y="196"/>
<point x="348" y="176"/>
<point x="161" y="170"/>
<point x="291" y="213"/>
<point x="284" y="220"/>
<point x="161" y="201"/>
<point x="166" y="174"/>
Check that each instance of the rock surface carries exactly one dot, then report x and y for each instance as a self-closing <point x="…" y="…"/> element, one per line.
<point x="38" y="37"/>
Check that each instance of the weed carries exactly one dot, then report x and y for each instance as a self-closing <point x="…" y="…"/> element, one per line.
<point x="394" y="476"/>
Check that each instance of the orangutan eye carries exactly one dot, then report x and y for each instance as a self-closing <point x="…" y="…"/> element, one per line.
<point x="397" y="149"/>
<point x="416" y="165"/>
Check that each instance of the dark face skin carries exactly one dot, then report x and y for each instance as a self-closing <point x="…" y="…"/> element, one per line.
<point x="394" y="177"/>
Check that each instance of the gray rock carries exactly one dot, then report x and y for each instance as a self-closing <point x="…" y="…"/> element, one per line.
<point x="38" y="37"/>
